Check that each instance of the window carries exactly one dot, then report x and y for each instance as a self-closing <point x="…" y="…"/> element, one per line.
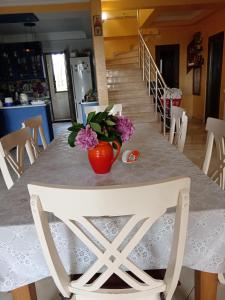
<point x="59" y="70"/>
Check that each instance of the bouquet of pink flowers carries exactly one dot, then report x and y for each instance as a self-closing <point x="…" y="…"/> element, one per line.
<point x="101" y="126"/>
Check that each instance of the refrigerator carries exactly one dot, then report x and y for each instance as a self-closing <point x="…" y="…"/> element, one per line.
<point x="81" y="80"/>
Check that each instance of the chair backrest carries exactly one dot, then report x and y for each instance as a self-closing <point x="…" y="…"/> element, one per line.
<point x="216" y="132"/>
<point x="178" y="127"/>
<point x="143" y="203"/>
<point x="18" y="140"/>
<point x="35" y="124"/>
<point x="116" y="110"/>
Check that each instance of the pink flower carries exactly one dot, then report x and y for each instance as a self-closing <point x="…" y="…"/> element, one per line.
<point x="125" y="127"/>
<point x="86" y="138"/>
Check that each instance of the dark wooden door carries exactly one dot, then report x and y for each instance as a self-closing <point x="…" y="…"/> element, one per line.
<point x="167" y="60"/>
<point x="215" y="60"/>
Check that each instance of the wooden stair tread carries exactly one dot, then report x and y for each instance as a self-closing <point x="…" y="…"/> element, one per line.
<point x="125" y="86"/>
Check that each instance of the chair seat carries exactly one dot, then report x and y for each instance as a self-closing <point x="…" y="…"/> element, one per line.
<point x="118" y="294"/>
<point x="152" y="297"/>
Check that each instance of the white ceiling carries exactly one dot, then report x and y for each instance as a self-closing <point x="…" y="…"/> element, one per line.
<point x="35" y="2"/>
<point x="53" y="22"/>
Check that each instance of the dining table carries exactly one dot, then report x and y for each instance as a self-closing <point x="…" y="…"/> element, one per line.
<point x="21" y="259"/>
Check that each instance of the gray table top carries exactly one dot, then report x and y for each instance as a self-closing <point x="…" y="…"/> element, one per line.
<point x="63" y="165"/>
<point x="21" y="259"/>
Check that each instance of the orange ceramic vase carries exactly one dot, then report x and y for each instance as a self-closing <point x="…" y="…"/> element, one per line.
<point x="102" y="157"/>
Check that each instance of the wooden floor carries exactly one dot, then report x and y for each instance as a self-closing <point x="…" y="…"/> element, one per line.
<point x="195" y="142"/>
<point x="195" y="145"/>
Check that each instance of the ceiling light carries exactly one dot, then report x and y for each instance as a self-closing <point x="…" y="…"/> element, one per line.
<point x="104" y="16"/>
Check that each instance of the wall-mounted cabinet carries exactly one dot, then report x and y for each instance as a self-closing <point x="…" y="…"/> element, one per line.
<point x="21" y="61"/>
<point x="194" y="49"/>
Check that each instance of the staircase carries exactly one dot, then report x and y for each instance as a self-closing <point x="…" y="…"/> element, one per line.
<point x="126" y="86"/>
<point x="135" y="81"/>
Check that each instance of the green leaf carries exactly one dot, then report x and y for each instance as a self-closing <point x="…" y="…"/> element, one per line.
<point x="106" y="133"/>
<point x="90" y="116"/>
<point x="106" y="138"/>
<point x="75" y="127"/>
<point x="77" y="124"/>
<point x="110" y="138"/>
<point x="110" y="123"/>
<point x="96" y="127"/>
<point x="71" y="138"/>
<point x="108" y="108"/>
<point x="100" y="117"/>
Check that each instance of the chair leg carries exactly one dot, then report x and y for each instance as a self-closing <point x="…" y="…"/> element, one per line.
<point x="26" y="292"/>
<point x="205" y="285"/>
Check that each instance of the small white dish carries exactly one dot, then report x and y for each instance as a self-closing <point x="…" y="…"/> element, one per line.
<point x="130" y="156"/>
<point x="37" y="102"/>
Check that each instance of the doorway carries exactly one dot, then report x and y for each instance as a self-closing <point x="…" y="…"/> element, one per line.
<point x="56" y="67"/>
<point x="215" y="60"/>
<point x="167" y="60"/>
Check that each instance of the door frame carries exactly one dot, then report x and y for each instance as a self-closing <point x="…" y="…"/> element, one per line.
<point x="207" y="75"/>
<point x="177" y="46"/>
<point x="67" y="71"/>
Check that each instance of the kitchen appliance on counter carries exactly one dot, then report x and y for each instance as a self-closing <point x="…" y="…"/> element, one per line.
<point x="12" y="117"/>
<point x="23" y="99"/>
<point x="82" y="82"/>
<point x="8" y="101"/>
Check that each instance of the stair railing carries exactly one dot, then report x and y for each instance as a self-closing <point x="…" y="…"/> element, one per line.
<point x="155" y="83"/>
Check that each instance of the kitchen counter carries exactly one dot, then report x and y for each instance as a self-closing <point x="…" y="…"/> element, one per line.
<point x="11" y="118"/>
<point x="23" y="106"/>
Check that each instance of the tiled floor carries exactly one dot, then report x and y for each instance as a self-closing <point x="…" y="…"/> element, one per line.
<point x="194" y="149"/>
<point x="61" y="128"/>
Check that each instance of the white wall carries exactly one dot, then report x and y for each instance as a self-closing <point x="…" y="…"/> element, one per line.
<point x="57" y="46"/>
<point x="53" y="41"/>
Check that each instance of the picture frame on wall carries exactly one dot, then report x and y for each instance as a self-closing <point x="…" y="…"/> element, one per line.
<point x="97" y="24"/>
<point x="196" y="81"/>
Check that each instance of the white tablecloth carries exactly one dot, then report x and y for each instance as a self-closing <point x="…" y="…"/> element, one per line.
<point x="21" y="260"/>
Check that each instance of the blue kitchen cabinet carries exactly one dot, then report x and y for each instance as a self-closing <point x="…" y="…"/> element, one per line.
<point x="11" y="119"/>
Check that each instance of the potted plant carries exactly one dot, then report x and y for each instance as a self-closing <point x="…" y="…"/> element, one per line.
<point x="102" y="132"/>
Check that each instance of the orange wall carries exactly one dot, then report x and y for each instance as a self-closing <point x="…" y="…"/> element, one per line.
<point x="120" y="27"/>
<point x="117" y="45"/>
<point x="195" y="105"/>
<point x="120" y="35"/>
<point x="181" y="36"/>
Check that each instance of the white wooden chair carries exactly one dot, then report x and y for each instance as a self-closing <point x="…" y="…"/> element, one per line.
<point x="216" y="133"/>
<point x="35" y="124"/>
<point x="18" y="140"/>
<point x="143" y="203"/>
<point x="116" y="110"/>
<point x="178" y="127"/>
